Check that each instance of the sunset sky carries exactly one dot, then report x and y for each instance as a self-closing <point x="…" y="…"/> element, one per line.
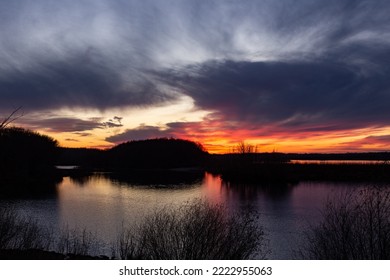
<point x="285" y="75"/>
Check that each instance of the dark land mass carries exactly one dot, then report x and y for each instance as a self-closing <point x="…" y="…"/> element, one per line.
<point x="150" y="161"/>
<point x="143" y="154"/>
<point x="100" y="158"/>
<point x="158" y="178"/>
<point x="156" y="153"/>
<point x="277" y="167"/>
<point x="28" y="160"/>
<point x="38" y="254"/>
<point x="80" y="157"/>
<point x="295" y="172"/>
<point x="384" y="156"/>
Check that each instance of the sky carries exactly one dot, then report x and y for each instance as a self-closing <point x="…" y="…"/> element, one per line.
<point x="282" y="75"/>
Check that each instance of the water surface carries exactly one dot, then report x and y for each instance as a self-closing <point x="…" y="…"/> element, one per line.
<point x="103" y="202"/>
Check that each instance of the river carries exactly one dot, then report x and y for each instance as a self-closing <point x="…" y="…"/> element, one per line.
<point x="102" y="203"/>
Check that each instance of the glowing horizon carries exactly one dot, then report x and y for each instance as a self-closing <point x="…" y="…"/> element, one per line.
<point x="359" y="141"/>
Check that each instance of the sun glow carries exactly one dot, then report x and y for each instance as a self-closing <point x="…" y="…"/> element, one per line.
<point x="182" y="119"/>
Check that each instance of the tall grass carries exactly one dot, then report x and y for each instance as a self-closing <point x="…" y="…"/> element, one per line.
<point x="197" y="230"/>
<point x="76" y="242"/>
<point x="354" y="226"/>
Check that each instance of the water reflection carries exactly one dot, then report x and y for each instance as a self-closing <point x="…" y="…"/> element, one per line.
<point x="327" y="161"/>
<point x="36" y="188"/>
<point x="102" y="202"/>
<point x="251" y="192"/>
<point x="157" y="178"/>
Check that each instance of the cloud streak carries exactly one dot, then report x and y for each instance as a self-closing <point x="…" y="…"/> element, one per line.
<point x="96" y="53"/>
<point x="69" y="124"/>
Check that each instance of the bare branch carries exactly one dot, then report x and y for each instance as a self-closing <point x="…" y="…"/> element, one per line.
<point x="11" y="118"/>
<point x="243" y="148"/>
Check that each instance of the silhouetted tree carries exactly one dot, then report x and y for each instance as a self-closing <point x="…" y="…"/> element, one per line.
<point x="27" y="162"/>
<point x="157" y="153"/>
<point x="244" y="148"/>
<point x="24" y="149"/>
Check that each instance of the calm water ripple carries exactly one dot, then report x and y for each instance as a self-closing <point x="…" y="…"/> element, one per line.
<point x="102" y="202"/>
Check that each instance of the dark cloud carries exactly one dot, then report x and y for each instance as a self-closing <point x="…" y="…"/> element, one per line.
<point x="111" y="124"/>
<point x="118" y="119"/>
<point x="71" y="140"/>
<point x="343" y="89"/>
<point x="83" y="134"/>
<point x="139" y="133"/>
<point x="114" y="122"/>
<point x="69" y="124"/>
<point x="63" y="124"/>
<point x="76" y="83"/>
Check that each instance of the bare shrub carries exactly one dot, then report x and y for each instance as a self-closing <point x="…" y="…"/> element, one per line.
<point x="76" y="242"/>
<point x="19" y="232"/>
<point x="354" y="226"/>
<point x="244" y="148"/>
<point x="196" y="230"/>
<point x="126" y="245"/>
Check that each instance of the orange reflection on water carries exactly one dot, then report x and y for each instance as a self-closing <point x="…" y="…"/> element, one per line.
<point x="212" y="188"/>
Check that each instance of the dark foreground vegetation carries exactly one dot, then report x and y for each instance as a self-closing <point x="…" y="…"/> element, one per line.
<point x="23" y="238"/>
<point x="355" y="226"/>
<point x="197" y="230"/>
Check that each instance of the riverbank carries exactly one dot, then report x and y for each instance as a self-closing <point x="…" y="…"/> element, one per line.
<point x="37" y="254"/>
<point x="296" y="172"/>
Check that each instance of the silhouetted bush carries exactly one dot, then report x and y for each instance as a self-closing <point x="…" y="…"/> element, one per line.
<point x="354" y="226"/>
<point x="22" y="150"/>
<point x="157" y="153"/>
<point x="27" y="163"/>
<point x="85" y="157"/>
<point x="197" y="230"/>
